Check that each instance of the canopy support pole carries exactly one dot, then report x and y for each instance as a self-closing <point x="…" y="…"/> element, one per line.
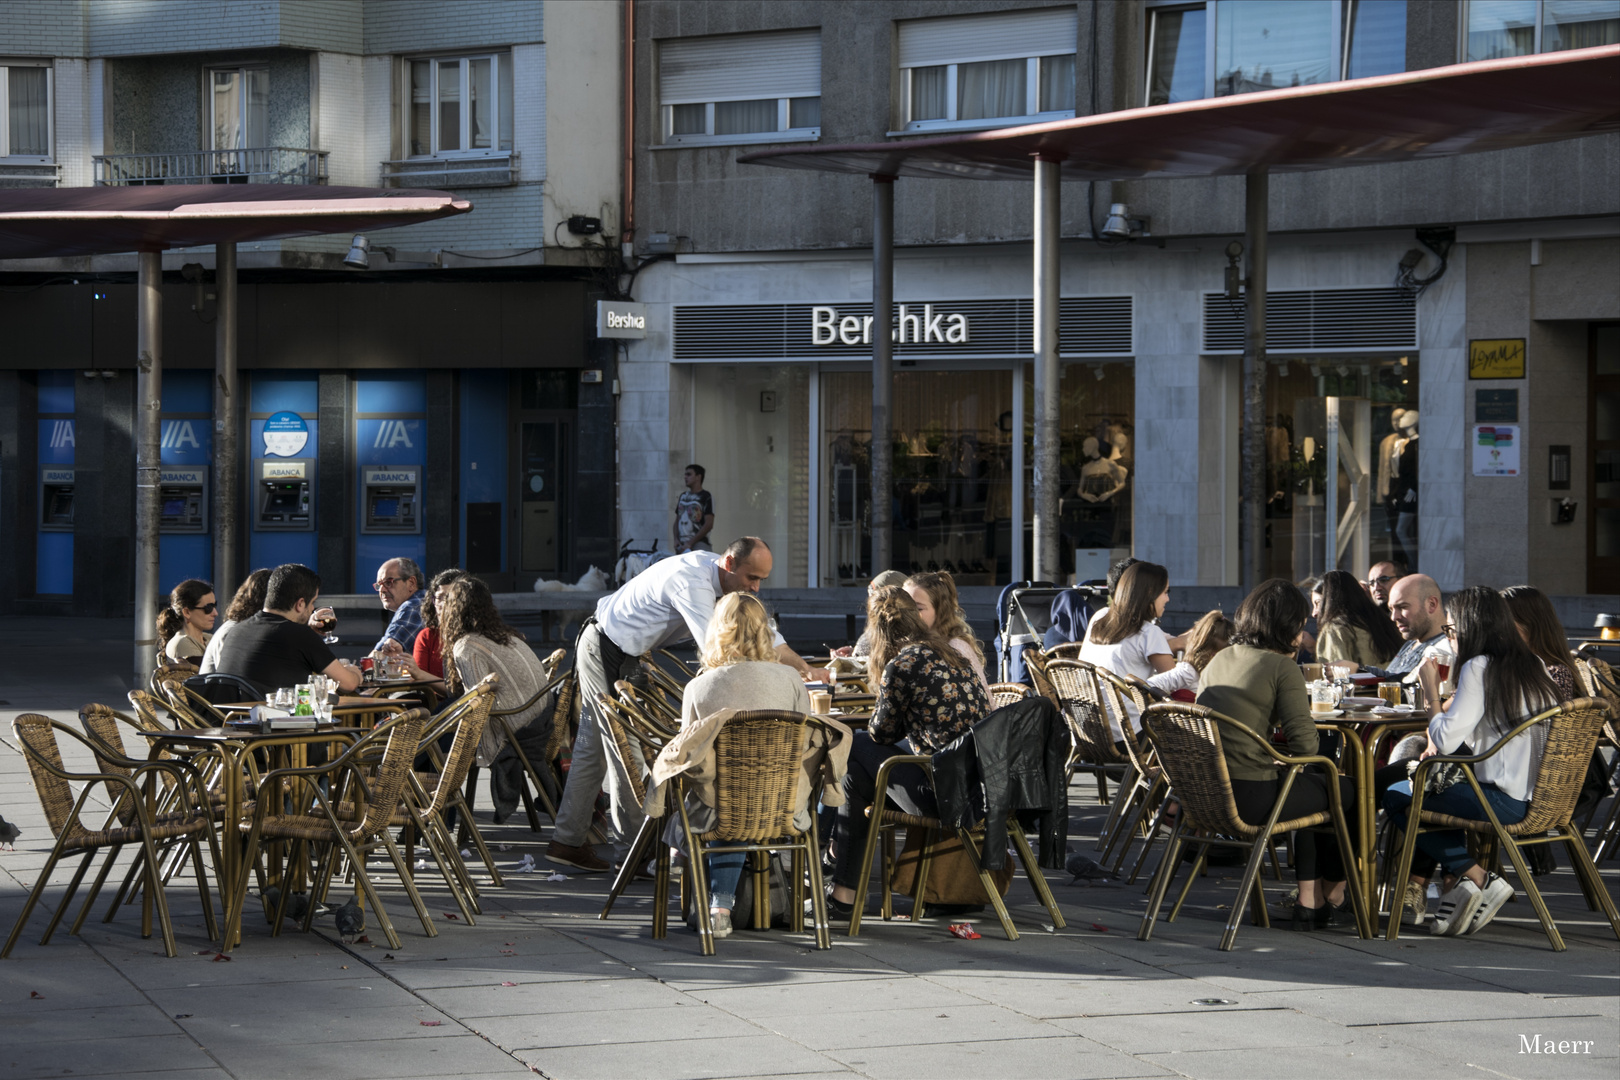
<point x="1048" y="276"/>
<point x="227" y="481"/>
<point x="1252" y="475"/>
<point x="882" y="525"/>
<point x="148" y="464"/>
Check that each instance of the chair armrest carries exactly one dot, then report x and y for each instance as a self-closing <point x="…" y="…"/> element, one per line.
<point x="881" y="785"/>
<point x="551" y="684"/>
<point x="1454" y="759"/>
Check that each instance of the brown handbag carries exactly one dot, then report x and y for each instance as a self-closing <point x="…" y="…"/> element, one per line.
<point x="952" y="876"/>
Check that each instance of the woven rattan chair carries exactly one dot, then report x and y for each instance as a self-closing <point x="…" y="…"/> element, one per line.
<point x="649" y="712"/>
<point x="174" y="700"/>
<point x="1143" y="785"/>
<point x="542" y="774"/>
<point x="1598" y="679"/>
<point x="885" y="820"/>
<point x="1074" y="688"/>
<point x="375" y="784"/>
<point x="1572" y="732"/>
<point x="1005" y="693"/>
<point x="758" y="758"/>
<point x="665" y="688"/>
<point x="1187" y="739"/>
<point x="1069" y="650"/>
<point x="134" y="792"/>
<point x="633" y="740"/>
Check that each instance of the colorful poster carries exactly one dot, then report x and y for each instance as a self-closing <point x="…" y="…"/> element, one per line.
<point x="1496" y="450"/>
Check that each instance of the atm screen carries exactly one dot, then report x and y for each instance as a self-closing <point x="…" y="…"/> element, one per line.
<point x="174" y="508"/>
<point x="385" y="508"/>
<point x="59" y="511"/>
<point x="283" y="500"/>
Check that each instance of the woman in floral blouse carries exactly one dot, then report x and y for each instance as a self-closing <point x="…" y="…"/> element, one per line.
<point x="928" y="694"/>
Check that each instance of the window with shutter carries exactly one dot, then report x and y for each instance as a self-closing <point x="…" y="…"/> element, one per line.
<point x="740" y="88"/>
<point x="990" y="70"/>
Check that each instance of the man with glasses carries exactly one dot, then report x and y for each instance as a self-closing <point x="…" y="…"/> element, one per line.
<point x="399" y="587"/>
<point x="1380" y="579"/>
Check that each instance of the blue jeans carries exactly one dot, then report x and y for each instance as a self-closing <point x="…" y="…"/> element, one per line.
<point x="1450" y="848"/>
<point x="725" y="870"/>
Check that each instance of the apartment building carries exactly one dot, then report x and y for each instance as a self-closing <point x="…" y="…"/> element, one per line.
<point x="446" y="402"/>
<point x="1468" y="306"/>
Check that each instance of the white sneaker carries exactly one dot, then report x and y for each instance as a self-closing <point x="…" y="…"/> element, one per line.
<point x="1415" y="904"/>
<point x="720" y="922"/>
<point x="1457" y="909"/>
<point x="1491" y="898"/>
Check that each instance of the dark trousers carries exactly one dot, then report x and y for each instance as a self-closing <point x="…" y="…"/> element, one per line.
<point x="1423" y="864"/>
<point x="909" y="791"/>
<point x="1314" y="856"/>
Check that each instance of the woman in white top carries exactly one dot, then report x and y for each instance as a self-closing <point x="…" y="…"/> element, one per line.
<point x="940" y="609"/>
<point x="740" y="671"/>
<point x="1500" y="684"/>
<point x="1126" y="640"/>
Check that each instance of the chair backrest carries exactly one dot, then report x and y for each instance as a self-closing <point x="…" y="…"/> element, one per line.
<point x="554" y="662"/>
<point x="1080" y="701"/>
<point x="757" y="760"/>
<point x="620" y="731"/>
<point x="651" y="717"/>
<point x="1036" y="664"/>
<point x="1005" y="693"/>
<point x="36" y="735"/>
<point x="386" y="784"/>
<point x="182" y="703"/>
<point x="1115" y="691"/>
<point x="1572" y="733"/>
<point x="101" y="724"/>
<point x="149" y="709"/>
<point x="470" y="714"/>
<point x="1068" y="650"/>
<point x="1187" y="739"/>
<point x="679" y="669"/>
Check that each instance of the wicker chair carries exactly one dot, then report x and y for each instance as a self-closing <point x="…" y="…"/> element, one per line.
<point x="173" y="698"/>
<point x="650" y="712"/>
<point x="1572" y="732"/>
<point x="1069" y="650"/>
<point x="757" y="764"/>
<point x="1187" y="739"/>
<point x="1005" y="693"/>
<point x="1143" y="785"/>
<point x="634" y="740"/>
<point x="542" y="774"/>
<point x="1599" y="681"/>
<point x="134" y="793"/>
<point x="377" y="791"/>
<point x="1074" y="689"/>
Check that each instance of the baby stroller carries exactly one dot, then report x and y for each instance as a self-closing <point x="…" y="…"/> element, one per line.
<point x="633" y="560"/>
<point x="1023" y="613"/>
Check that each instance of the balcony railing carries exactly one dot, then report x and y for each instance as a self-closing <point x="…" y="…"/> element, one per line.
<point x="255" y="165"/>
<point x="484" y="170"/>
<point x="28" y="174"/>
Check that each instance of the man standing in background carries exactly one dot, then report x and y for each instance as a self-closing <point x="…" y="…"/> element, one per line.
<point x="694" y="514"/>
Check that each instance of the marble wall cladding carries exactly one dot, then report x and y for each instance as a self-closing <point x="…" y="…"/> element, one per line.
<point x="158" y="102"/>
<point x="1442" y="390"/>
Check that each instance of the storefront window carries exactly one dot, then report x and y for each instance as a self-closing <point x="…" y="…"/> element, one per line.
<point x="750" y="425"/>
<point x="1375" y="401"/>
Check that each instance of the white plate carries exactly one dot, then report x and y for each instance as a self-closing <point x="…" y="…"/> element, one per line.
<point x="1326" y="715"/>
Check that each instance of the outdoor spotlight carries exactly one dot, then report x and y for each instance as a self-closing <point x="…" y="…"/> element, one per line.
<point x="359" y="255"/>
<point x="1234" y="274"/>
<point x="1118" y="225"/>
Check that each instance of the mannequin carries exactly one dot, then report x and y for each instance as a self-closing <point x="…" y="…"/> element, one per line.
<point x="1389" y="453"/>
<point x="1100" y="478"/>
<point x="1404" y="489"/>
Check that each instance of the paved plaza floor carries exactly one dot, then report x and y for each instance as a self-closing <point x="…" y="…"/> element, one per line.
<point x="541" y="985"/>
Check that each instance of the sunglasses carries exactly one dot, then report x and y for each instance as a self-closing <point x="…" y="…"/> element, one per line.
<point x="206" y="609"/>
<point x="1449" y="630"/>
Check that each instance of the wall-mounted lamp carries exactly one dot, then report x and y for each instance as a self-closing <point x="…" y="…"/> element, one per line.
<point x="360" y="249"/>
<point x="1122" y="226"/>
<point x="1234" y="273"/>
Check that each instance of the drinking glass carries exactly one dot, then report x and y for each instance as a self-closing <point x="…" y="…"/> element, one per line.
<point x="1391" y="693"/>
<point x="1324" y="697"/>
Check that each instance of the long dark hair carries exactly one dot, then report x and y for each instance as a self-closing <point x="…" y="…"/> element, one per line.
<point x="171" y="619"/>
<point x="249" y="598"/>
<point x="430" y="611"/>
<point x="892" y="623"/>
<point x="1140" y="585"/>
<point x="469" y="610"/>
<point x="1539" y="625"/>
<point x="1345" y="601"/>
<point x="1271" y="617"/>
<point x="1515" y="679"/>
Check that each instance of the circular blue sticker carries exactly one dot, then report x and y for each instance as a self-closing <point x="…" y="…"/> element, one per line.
<point x="285" y="434"/>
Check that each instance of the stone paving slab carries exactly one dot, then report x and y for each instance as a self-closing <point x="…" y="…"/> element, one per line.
<point x="1022" y="1059"/>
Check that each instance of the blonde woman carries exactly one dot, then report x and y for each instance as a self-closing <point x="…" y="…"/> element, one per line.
<point x="940" y="610"/>
<point x="740" y="671"/>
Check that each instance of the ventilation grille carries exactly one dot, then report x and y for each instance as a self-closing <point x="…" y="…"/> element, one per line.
<point x="1320" y="320"/>
<point x="1088" y="326"/>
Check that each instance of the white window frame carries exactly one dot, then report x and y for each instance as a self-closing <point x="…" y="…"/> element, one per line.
<point x="496" y="57"/>
<point x="1338" y="40"/>
<point x="241" y="71"/>
<point x="782" y="133"/>
<point x="5" y="113"/>
<point x="1032" y="94"/>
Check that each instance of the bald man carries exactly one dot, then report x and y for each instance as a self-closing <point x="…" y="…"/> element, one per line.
<point x="1419" y="614"/>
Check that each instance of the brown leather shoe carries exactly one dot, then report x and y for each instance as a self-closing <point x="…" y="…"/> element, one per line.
<point x="580" y="857"/>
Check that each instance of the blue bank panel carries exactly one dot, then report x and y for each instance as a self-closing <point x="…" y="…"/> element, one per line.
<point x="483" y="447"/>
<point x="275" y="392"/>
<point x="399" y="437"/>
<point x="58" y="436"/>
<point x="187" y="440"/>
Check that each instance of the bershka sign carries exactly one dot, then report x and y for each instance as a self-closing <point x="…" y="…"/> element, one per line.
<point x="827" y="327"/>
<point x="621" y="319"/>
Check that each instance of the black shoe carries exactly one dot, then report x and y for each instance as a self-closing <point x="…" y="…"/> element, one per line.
<point x="836" y="909"/>
<point x="1305" y="918"/>
<point x="1330" y="914"/>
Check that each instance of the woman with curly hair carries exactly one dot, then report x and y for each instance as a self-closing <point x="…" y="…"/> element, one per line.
<point x="740" y="671"/>
<point x="478" y="642"/>
<point x="927" y="695"/>
<point x="248" y="602"/>
<point x="1352" y="626"/>
<point x="186" y="620"/>
<point x="939" y="608"/>
<point x="427" y="652"/>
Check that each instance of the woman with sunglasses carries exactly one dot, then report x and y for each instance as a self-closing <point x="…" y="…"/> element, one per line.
<point x="186" y="622"/>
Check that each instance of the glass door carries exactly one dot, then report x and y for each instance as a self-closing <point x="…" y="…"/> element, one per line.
<point x="1603" y="461"/>
<point x="540" y="496"/>
<point x="240" y="105"/>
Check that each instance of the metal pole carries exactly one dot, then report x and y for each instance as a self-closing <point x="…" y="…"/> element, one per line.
<point x="1018" y="567"/>
<point x="1252" y="473"/>
<point x="226" y="481"/>
<point x="882" y="372"/>
<point x="1330" y="518"/>
<point x="148" y="404"/>
<point x="1047" y="281"/>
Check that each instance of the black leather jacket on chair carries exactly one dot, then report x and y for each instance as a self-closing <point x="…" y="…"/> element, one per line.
<point x="1017" y="758"/>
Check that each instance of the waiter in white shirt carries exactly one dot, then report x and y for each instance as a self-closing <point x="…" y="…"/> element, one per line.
<point x="669" y="602"/>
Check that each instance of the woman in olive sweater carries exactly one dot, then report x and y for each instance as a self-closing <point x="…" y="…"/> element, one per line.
<point x="1257" y="683"/>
